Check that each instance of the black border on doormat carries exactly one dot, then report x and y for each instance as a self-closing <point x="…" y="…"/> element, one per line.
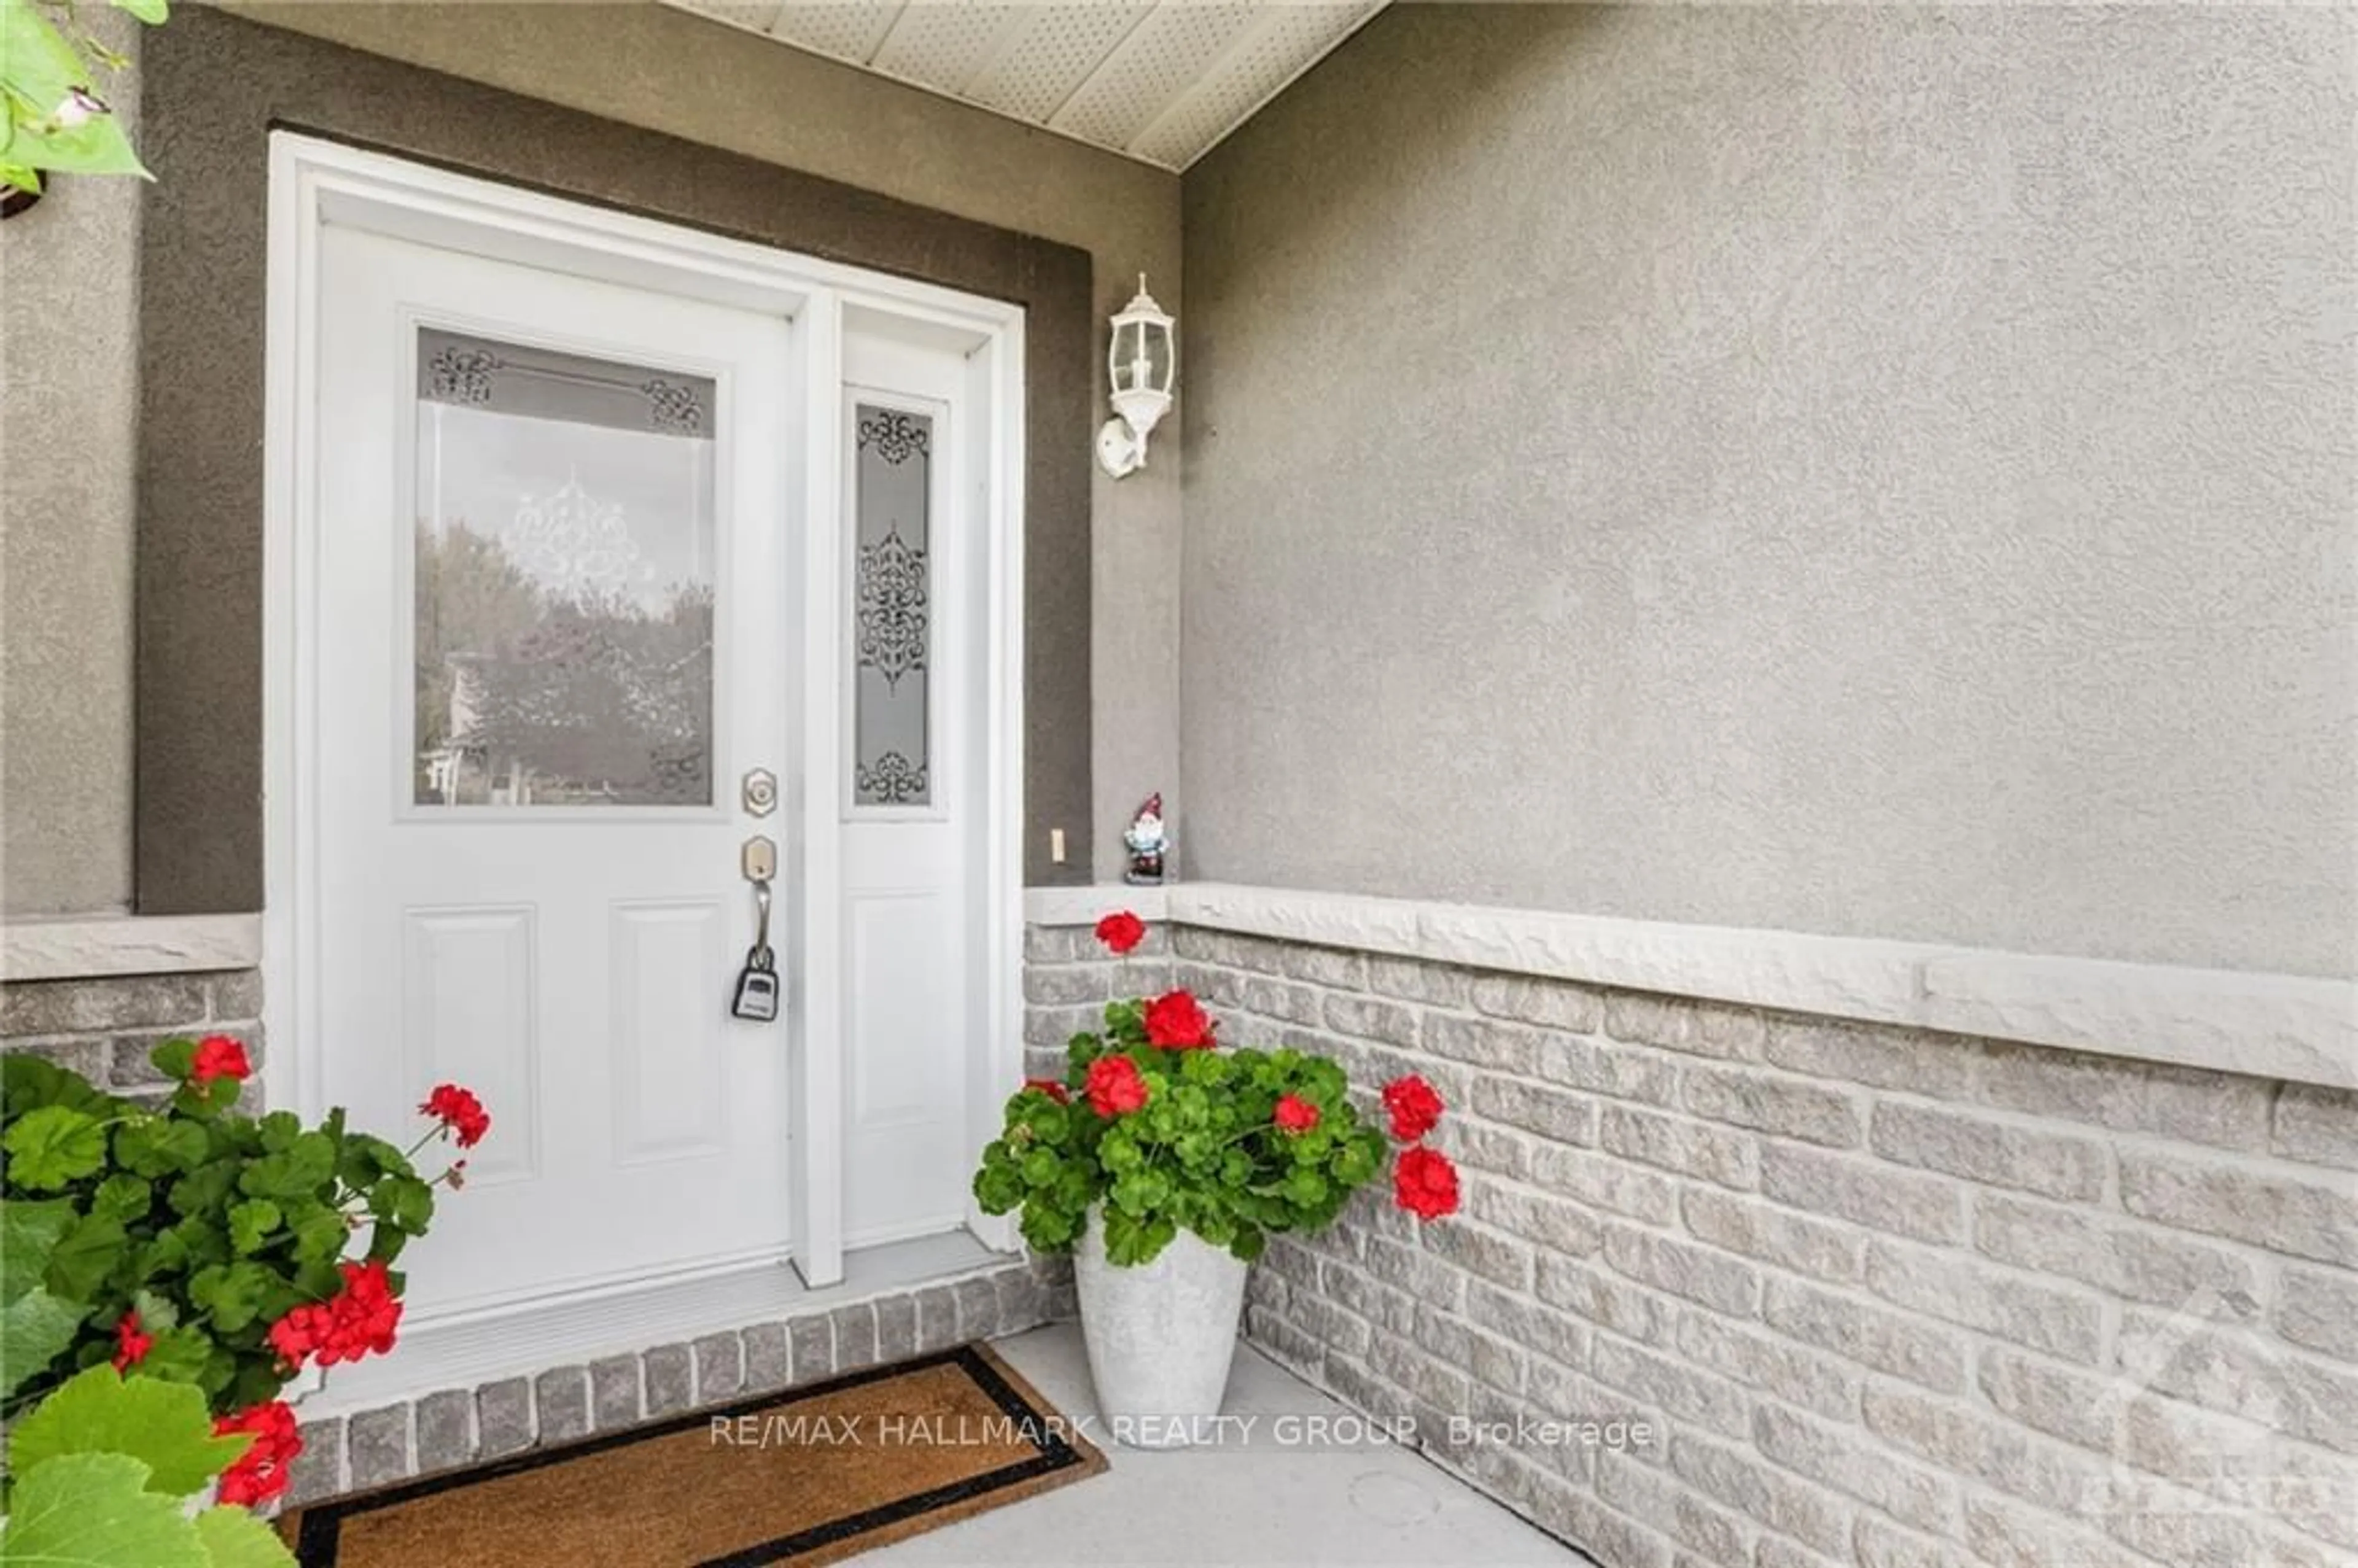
<point x="321" y="1524"/>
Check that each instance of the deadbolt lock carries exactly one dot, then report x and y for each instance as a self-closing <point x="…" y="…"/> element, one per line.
<point x="761" y="792"/>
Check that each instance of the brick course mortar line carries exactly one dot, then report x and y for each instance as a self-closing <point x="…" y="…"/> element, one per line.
<point x="1886" y="1296"/>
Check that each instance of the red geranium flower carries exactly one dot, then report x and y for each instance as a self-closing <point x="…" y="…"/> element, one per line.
<point x="1175" y="1022"/>
<point x="218" y="1057"/>
<point x="1114" y="1085"/>
<point x="358" y="1319"/>
<point x="130" y="1347"/>
<point x="1051" y="1087"/>
<point x="459" y="1110"/>
<point x="1424" y="1183"/>
<point x="1295" y="1114"/>
<point x="260" y="1472"/>
<point x="1415" y="1108"/>
<point x="1122" y="931"/>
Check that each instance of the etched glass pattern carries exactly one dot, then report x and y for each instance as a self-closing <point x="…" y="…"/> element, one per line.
<point x="564" y="568"/>
<point x="892" y="610"/>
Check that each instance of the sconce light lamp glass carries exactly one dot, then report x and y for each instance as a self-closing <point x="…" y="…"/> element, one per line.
<point x="1140" y="361"/>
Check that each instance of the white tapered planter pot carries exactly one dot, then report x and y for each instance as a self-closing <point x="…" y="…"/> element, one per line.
<point x="1160" y="1337"/>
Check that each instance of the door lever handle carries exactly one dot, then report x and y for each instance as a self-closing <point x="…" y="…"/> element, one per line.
<point x="756" y="999"/>
<point x="757" y="859"/>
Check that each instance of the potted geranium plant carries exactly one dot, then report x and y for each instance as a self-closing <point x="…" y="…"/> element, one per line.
<point x="192" y="1244"/>
<point x="1162" y="1160"/>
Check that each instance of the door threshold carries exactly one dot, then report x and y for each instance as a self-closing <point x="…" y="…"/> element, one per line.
<point x="481" y="1347"/>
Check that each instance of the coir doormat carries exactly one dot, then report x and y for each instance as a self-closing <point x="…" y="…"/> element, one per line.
<point x="807" y="1477"/>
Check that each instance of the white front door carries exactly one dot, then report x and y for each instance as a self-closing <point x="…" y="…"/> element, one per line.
<point x="557" y="620"/>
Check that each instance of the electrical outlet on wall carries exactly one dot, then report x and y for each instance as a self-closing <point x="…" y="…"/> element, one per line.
<point x="1057" y="845"/>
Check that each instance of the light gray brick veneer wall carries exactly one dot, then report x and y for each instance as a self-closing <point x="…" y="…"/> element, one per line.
<point x="104" y="1028"/>
<point x="1886" y="1298"/>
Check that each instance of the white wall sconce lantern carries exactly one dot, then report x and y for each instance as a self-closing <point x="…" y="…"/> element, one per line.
<point x="1141" y="361"/>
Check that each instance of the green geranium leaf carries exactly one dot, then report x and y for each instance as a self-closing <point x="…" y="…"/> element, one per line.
<point x="29" y="1232"/>
<point x="1359" y="1160"/>
<point x="205" y="1242"/>
<point x="121" y="1197"/>
<point x="174" y="1059"/>
<point x="31" y="1082"/>
<point x="403" y="1202"/>
<point x="1204" y="1067"/>
<point x="1142" y="1243"/>
<point x="157" y="1312"/>
<point x="233" y="1538"/>
<point x="206" y="1188"/>
<point x="231" y="1135"/>
<point x="164" y="1425"/>
<point x="208" y="1100"/>
<point x="278" y="1131"/>
<point x="304" y="1166"/>
<point x="53" y="1146"/>
<point x="1049" y="1228"/>
<point x="178" y="1354"/>
<point x="84" y="1256"/>
<point x="34" y="1330"/>
<point x="151" y="11"/>
<point x="159" y="1146"/>
<point x="235" y="1295"/>
<point x="320" y="1279"/>
<point x="1043" y="1117"/>
<point x="1077" y="1188"/>
<point x="96" y="1510"/>
<point x="364" y="1157"/>
<point x="997" y="1188"/>
<point x="319" y="1234"/>
<point x="249" y="1225"/>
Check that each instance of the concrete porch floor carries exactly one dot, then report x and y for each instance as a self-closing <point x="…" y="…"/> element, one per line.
<point x="1259" y="1502"/>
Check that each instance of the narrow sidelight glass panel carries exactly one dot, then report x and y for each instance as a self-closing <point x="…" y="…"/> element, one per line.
<point x="564" y="568"/>
<point x="892" y="716"/>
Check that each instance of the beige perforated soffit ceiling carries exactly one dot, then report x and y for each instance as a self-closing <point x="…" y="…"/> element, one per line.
<point x="1160" y="82"/>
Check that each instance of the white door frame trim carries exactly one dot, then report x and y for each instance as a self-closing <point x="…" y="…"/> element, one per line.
<point x="314" y="183"/>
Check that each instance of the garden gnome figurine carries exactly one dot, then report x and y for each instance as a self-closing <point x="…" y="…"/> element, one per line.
<point x="1148" y="841"/>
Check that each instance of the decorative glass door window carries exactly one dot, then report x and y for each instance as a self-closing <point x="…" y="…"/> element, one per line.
<point x="892" y="610"/>
<point x="564" y="579"/>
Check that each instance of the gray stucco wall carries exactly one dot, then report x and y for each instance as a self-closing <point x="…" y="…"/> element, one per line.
<point x="1848" y="470"/>
<point x="69" y="287"/>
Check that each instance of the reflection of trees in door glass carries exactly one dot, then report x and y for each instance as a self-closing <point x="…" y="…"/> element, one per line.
<point x="564" y="566"/>
<point x="528" y="697"/>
